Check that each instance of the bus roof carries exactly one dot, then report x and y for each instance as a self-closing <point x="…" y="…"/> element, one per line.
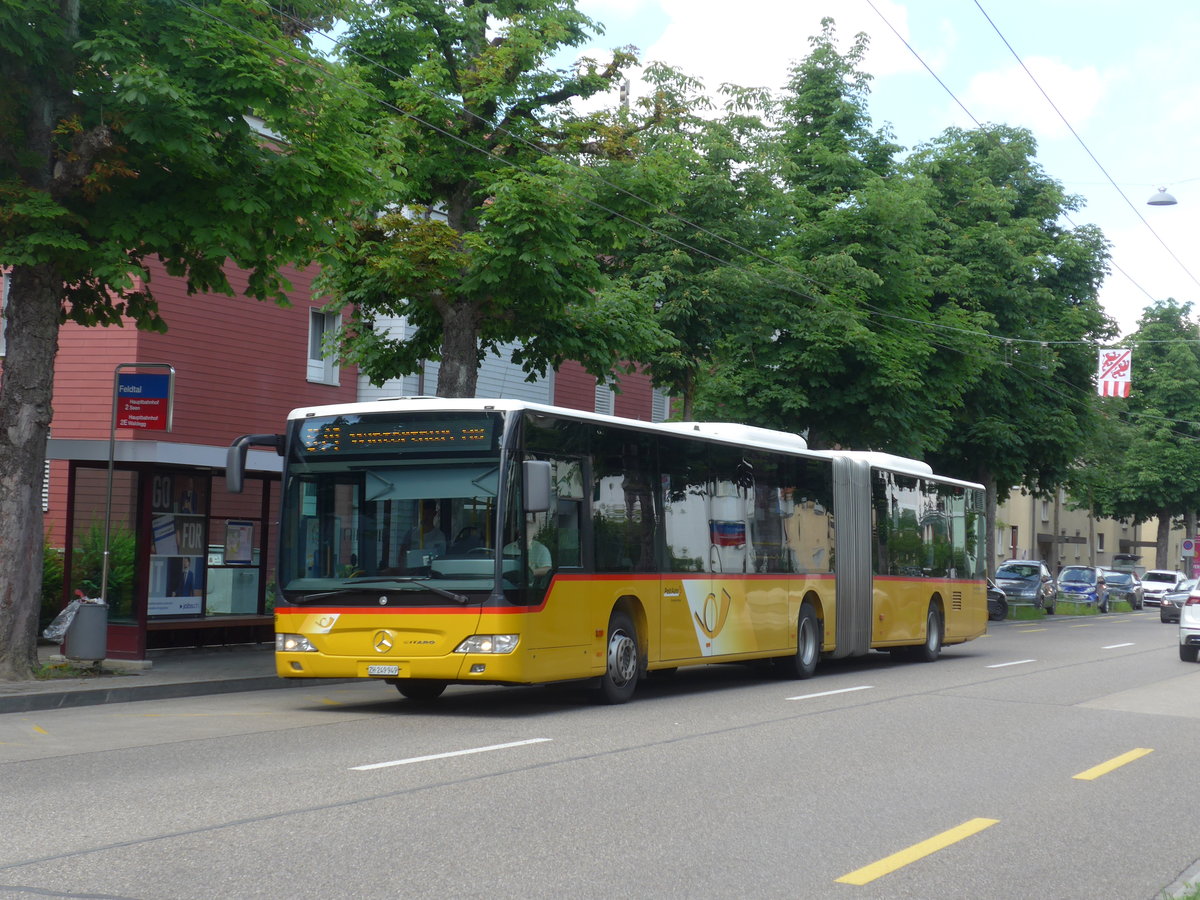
<point x="721" y="432"/>
<point x="729" y="432"/>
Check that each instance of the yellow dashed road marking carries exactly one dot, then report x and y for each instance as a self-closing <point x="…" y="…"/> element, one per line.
<point x="1115" y="763"/>
<point x="889" y="864"/>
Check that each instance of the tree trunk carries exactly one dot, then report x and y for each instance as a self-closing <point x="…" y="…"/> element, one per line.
<point x="459" y="370"/>
<point x="689" y="397"/>
<point x="989" y="530"/>
<point x="1161" y="540"/>
<point x="26" y="390"/>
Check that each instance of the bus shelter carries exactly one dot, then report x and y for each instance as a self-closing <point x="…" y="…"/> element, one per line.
<point x="189" y="564"/>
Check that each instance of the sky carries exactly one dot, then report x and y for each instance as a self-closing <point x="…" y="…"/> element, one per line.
<point x="1123" y="75"/>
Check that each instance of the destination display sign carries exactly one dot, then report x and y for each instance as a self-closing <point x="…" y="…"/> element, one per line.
<point x="381" y="435"/>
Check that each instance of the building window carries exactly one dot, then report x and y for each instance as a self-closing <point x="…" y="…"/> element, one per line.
<point x="605" y="399"/>
<point x="660" y="405"/>
<point x="1045" y="510"/>
<point x="322" y="367"/>
<point x="1100" y="542"/>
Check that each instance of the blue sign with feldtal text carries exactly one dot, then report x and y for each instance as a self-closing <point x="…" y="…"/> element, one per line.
<point x="143" y="401"/>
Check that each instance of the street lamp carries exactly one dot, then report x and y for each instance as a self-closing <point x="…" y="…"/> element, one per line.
<point x="1162" y="198"/>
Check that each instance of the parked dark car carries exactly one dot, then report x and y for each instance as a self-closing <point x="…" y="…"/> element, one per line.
<point x="1026" y="581"/>
<point x="997" y="602"/>
<point x="1124" y="586"/>
<point x="1173" y="600"/>
<point x="1083" y="584"/>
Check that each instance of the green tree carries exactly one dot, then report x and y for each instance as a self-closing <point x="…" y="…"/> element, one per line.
<point x="1002" y="252"/>
<point x="724" y="210"/>
<point x="204" y="134"/>
<point x="1147" y="462"/>
<point x="846" y="349"/>
<point x="503" y="222"/>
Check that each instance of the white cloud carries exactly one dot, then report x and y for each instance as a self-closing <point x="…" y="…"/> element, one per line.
<point x="605" y="10"/>
<point x="755" y="42"/>
<point x="1009" y="96"/>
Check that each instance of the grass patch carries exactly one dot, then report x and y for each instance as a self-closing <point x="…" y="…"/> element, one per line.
<point x="1070" y="608"/>
<point x="58" y="670"/>
<point x="1190" y="892"/>
<point x="1024" y="612"/>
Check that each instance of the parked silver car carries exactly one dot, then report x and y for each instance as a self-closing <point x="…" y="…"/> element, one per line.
<point x="1189" y="628"/>
<point x="1026" y="581"/>
<point x="1173" y="600"/>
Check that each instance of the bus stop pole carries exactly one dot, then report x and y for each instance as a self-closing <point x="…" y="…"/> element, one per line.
<point x="112" y="451"/>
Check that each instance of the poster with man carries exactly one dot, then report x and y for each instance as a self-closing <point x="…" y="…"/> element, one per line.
<point x="179" y="551"/>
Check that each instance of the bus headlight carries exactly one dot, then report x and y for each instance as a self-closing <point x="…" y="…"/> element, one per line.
<point x="489" y="643"/>
<point x="293" y="643"/>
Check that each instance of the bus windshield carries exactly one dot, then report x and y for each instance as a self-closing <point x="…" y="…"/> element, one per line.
<point x="402" y="503"/>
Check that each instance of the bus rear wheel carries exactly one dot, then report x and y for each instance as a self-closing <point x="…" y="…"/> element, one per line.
<point x="934" y="628"/>
<point x="620" y="678"/>
<point x="421" y="690"/>
<point x="803" y="663"/>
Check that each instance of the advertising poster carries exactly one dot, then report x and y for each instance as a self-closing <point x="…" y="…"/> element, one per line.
<point x="179" y="552"/>
<point x="239" y="543"/>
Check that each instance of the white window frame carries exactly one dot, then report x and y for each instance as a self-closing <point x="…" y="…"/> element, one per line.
<point x="322" y="367"/>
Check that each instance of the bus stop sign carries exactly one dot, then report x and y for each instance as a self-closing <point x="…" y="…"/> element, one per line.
<point x="144" y="401"/>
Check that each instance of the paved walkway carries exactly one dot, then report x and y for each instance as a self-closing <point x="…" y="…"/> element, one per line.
<point x="166" y="674"/>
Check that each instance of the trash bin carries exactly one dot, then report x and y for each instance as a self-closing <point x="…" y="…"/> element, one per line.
<point x="87" y="635"/>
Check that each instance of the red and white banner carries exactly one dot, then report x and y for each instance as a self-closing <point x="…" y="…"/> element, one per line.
<point x="1112" y="379"/>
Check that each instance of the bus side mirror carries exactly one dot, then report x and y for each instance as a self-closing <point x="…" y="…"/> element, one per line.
<point x="235" y="457"/>
<point x="537" y="485"/>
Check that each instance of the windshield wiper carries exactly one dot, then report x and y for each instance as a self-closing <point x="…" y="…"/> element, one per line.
<point x="405" y="579"/>
<point x="340" y="592"/>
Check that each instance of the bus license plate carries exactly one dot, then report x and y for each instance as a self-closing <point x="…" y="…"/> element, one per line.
<point x="383" y="670"/>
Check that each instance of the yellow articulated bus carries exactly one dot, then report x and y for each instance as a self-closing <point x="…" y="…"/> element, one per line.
<point x="427" y="542"/>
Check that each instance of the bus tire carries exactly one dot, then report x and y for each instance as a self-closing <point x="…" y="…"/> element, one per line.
<point x="934" y="630"/>
<point x="803" y="663"/>
<point x="620" y="678"/>
<point x="421" y="690"/>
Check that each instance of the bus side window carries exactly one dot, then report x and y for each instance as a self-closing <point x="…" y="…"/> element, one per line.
<point x="624" y="517"/>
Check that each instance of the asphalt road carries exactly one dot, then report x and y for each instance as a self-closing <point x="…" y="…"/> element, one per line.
<point x="1049" y="760"/>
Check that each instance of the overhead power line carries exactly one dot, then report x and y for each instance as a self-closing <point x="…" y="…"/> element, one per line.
<point x="1088" y="150"/>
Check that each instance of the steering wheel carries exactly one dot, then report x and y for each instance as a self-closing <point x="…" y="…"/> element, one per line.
<point x="482" y="552"/>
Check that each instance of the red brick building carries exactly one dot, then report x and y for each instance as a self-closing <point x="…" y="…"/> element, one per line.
<point x="190" y="563"/>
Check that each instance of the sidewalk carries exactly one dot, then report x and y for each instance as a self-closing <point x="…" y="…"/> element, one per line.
<point x="187" y="672"/>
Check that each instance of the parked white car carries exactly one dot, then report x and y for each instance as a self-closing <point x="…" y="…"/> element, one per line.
<point x="1189" y="627"/>
<point x="1156" y="582"/>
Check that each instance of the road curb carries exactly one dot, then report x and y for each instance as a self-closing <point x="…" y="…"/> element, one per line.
<point x="96" y="696"/>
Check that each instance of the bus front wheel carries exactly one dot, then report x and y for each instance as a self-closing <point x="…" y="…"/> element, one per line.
<point x="803" y="663"/>
<point x="421" y="690"/>
<point x="621" y="676"/>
